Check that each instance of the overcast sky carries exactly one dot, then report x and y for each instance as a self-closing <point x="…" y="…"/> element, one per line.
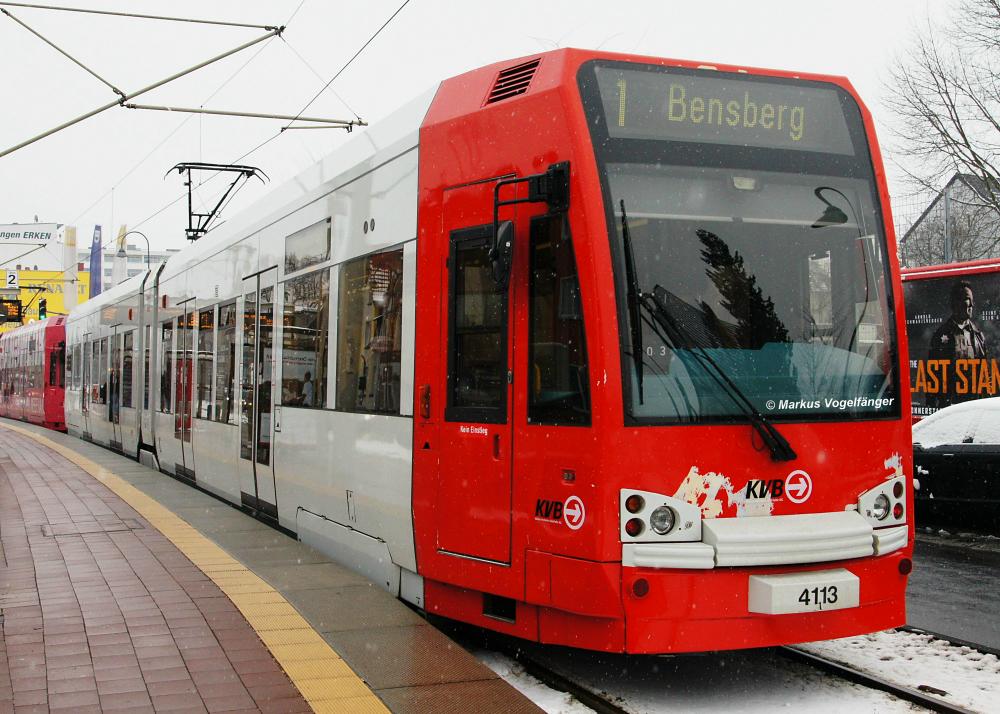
<point x="110" y="168"/>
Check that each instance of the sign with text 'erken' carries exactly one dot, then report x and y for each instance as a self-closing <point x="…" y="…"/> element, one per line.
<point x="28" y="233"/>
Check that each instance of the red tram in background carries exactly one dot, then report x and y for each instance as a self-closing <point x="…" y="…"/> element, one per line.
<point x="33" y="373"/>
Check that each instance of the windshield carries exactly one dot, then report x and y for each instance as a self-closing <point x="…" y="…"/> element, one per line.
<point x="748" y="284"/>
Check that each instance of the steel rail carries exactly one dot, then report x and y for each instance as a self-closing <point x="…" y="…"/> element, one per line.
<point x="63" y="52"/>
<point x="871" y="681"/>
<point x="554" y="680"/>
<point x="985" y="649"/>
<point x="34" y="6"/>
<point x="133" y="95"/>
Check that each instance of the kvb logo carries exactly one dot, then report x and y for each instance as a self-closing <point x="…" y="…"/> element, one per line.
<point x="571" y="512"/>
<point x="798" y="486"/>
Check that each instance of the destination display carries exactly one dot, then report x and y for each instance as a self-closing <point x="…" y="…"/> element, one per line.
<point x="664" y="105"/>
<point x="953" y="324"/>
<point x="10" y="310"/>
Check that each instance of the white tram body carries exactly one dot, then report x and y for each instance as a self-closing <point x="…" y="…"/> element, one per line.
<point x="340" y="480"/>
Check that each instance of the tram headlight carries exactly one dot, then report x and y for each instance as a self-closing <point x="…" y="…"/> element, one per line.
<point x="662" y="520"/>
<point x="880" y="508"/>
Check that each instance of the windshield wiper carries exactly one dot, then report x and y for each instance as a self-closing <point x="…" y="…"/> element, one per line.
<point x="778" y="445"/>
<point x="633" y="298"/>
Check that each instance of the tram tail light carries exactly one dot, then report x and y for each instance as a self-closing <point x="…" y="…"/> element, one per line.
<point x="634" y="527"/>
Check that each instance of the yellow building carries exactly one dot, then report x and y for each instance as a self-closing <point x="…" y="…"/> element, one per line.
<point x="46" y="285"/>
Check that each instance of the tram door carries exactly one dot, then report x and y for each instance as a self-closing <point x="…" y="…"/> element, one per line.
<point x="183" y="388"/>
<point x="475" y="462"/>
<point x="114" y="388"/>
<point x="257" y="394"/>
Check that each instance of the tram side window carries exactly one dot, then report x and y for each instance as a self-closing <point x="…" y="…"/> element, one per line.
<point x="558" y="391"/>
<point x="127" y="357"/>
<point x="307" y="247"/>
<point x="369" y="333"/>
<point x="206" y="355"/>
<point x="225" y="359"/>
<point x="92" y="381"/>
<point x="77" y="367"/>
<point x="166" y="363"/>
<point x="305" y="339"/>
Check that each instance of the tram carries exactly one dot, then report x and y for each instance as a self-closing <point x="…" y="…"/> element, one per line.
<point x="597" y="350"/>
<point x="32" y="373"/>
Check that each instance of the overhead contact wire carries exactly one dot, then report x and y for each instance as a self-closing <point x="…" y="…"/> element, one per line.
<point x="348" y="64"/>
<point x="166" y="18"/>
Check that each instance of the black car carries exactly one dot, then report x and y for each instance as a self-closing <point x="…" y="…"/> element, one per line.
<point x="956" y="454"/>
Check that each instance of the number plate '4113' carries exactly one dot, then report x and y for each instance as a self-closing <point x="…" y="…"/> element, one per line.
<point x="804" y="592"/>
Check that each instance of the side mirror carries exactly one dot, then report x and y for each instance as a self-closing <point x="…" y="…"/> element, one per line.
<point x="502" y="254"/>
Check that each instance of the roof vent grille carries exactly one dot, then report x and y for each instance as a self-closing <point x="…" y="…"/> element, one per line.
<point x="512" y="81"/>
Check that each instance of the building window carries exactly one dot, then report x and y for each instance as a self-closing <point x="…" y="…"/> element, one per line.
<point x="304" y="340"/>
<point x="206" y="354"/>
<point x="369" y="333"/>
<point x="225" y="359"/>
<point x="307" y="247"/>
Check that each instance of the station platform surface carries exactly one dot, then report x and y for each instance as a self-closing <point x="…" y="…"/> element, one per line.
<point x="124" y="589"/>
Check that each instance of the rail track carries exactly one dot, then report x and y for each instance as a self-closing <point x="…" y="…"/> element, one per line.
<point x="925" y="697"/>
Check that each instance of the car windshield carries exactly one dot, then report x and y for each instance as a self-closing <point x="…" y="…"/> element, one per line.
<point x="777" y="279"/>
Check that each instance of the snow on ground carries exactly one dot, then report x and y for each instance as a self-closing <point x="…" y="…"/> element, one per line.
<point x="970" y="678"/>
<point x="745" y="681"/>
<point x="550" y="700"/>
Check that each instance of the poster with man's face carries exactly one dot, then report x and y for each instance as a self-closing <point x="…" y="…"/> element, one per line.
<point x="953" y="325"/>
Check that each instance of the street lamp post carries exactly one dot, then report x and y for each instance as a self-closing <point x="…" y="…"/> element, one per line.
<point x="138" y="233"/>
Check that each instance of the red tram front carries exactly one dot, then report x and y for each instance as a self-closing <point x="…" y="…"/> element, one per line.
<point x="33" y="373"/>
<point x="660" y="398"/>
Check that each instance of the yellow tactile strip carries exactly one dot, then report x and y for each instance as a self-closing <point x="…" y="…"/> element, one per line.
<point x="324" y="679"/>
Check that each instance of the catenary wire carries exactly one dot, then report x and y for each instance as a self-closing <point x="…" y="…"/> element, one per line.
<point x="137" y="15"/>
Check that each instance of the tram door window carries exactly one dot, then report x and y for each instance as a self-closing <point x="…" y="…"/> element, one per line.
<point x="265" y="368"/>
<point x="558" y="390"/>
<point x="206" y="354"/>
<point x="147" y="344"/>
<point x="184" y="377"/>
<point x="85" y="372"/>
<point x="114" y="378"/>
<point x="166" y="364"/>
<point x="247" y="381"/>
<point x="102" y="371"/>
<point x="477" y="354"/>
<point x="225" y="374"/>
<point x="127" y="357"/>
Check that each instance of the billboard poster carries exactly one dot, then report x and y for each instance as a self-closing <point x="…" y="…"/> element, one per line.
<point x="953" y="325"/>
<point x="96" y="270"/>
